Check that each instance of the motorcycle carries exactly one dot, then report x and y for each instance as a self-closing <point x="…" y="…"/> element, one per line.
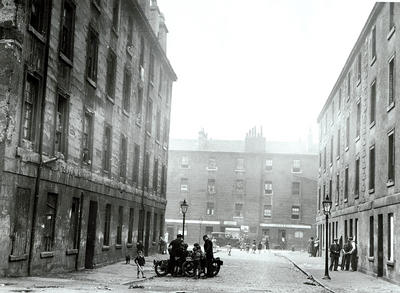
<point x="161" y="267"/>
<point x="188" y="267"/>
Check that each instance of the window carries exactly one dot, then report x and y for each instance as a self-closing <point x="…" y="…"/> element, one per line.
<point x="391" y="15"/>
<point x="107" y="223"/>
<point x="238" y="210"/>
<point x="211" y="186"/>
<point x="295" y="188"/>
<point x="107" y="148"/>
<point x="155" y="176"/>
<point x="151" y="65"/>
<point x="165" y="132"/>
<point x="163" y="180"/>
<point x="268" y="165"/>
<point x="20" y="234"/>
<point x="371" y="236"/>
<point x="160" y="83"/>
<point x="373" y="44"/>
<point x="337" y="187"/>
<point x="358" y="126"/>
<point x="268" y="188"/>
<point x="74" y="221"/>
<point x="136" y="160"/>
<point x="212" y="164"/>
<point x="149" y="116"/>
<point x="331" y="152"/>
<point x="346" y="183"/>
<point x="141" y="58"/>
<point x="155" y="233"/>
<point x="372" y="103"/>
<point x="239" y="186"/>
<point x="50" y="221"/>
<point x="67" y="29"/>
<point x="115" y="15"/>
<point x="295" y="212"/>
<point x="351" y="228"/>
<point x="146" y="170"/>
<point x="349" y="85"/>
<point x="119" y="227"/>
<point x="319" y="198"/>
<point x="392" y="80"/>
<point x="332" y="112"/>
<point x="123" y="156"/>
<point x="126" y="102"/>
<point x="185" y="162"/>
<point x="139" y="105"/>
<point x="298" y="234"/>
<point x="347" y="132"/>
<point x="61" y="125"/>
<point x="357" y="178"/>
<point x="338" y="143"/>
<point x="267" y="211"/>
<point x="330" y="189"/>
<point x="391" y="157"/>
<point x="38" y="15"/>
<point x="372" y="168"/>
<point x="129" y="37"/>
<point x="358" y="68"/>
<point x="340" y="100"/>
<point x="130" y="225"/>
<point x="31" y="100"/>
<point x="390" y="237"/>
<point x="210" y="208"/>
<point x="345" y="230"/>
<point x="184" y="184"/>
<point x="296" y="168"/>
<point x="158" y="126"/>
<point x="92" y="55"/>
<point x="111" y="71"/>
<point x="87" y="138"/>
<point x="324" y="158"/>
<point x="239" y="164"/>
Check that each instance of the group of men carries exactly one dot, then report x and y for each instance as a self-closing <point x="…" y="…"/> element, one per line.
<point x="349" y="254"/>
<point x="177" y="249"/>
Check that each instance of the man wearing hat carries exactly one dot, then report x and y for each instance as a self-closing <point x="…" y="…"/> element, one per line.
<point x="353" y="254"/>
<point x="346" y="254"/>
<point x="174" y="249"/>
<point x="335" y="253"/>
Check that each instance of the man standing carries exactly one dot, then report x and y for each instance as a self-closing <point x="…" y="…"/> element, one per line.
<point x="335" y="252"/>
<point x="353" y="254"/>
<point x="174" y="249"/>
<point x="346" y="255"/>
<point x="208" y="250"/>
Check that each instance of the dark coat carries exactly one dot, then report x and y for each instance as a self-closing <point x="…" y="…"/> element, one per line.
<point x="208" y="248"/>
<point x="335" y="250"/>
<point x="176" y="247"/>
<point x="140" y="260"/>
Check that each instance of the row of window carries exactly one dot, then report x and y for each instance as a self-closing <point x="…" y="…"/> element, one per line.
<point x="240" y="164"/>
<point x="391" y="82"/>
<point x="391" y="166"/>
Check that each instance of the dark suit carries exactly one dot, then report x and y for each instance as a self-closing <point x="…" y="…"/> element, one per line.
<point x="335" y="253"/>
<point x="208" y="250"/>
<point x="175" y="251"/>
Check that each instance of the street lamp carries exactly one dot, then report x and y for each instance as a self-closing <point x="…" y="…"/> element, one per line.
<point x="184" y="208"/>
<point x="327" y="204"/>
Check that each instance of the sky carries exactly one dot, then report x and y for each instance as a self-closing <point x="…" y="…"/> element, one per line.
<point x="251" y="63"/>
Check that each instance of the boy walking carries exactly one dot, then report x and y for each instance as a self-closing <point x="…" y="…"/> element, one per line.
<point x="140" y="261"/>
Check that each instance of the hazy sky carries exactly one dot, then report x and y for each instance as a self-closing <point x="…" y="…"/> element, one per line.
<point x="257" y="62"/>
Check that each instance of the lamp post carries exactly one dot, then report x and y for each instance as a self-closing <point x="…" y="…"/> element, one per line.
<point x="327" y="204"/>
<point x="184" y="208"/>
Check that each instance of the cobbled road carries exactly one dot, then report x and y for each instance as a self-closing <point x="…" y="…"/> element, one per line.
<point x="241" y="272"/>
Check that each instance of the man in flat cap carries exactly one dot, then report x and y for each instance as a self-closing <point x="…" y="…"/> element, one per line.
<point x="174" y="249"/>
<point x="353" y="254"/>
<point x="335" y="253"/>
<point x="346" y="254"/>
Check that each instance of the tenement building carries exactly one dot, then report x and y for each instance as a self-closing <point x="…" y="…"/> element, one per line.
<point x="85" y="95"/>
<point x="358" y="147"/>
<point x="254" y="189"/>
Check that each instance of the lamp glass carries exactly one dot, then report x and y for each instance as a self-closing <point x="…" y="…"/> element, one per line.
<point x="327" y="204"/>
<point x="184" y="206"/>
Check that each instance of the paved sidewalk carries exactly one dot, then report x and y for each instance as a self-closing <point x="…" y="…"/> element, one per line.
<point x="109" y="277"/>
<point x="341" y="281"/>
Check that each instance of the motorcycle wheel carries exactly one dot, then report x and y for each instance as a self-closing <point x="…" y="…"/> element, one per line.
<point x="161" y="269"/>
<point x="215" y="268"/>
<point x="188" y="268"/>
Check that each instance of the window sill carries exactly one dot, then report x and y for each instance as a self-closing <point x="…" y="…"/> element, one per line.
<point x="96" y="6"/>
<point x="47" y="254"/>
<point x="373" y="60"/>
<point x="269" y="193"/>
<point x="71" y="251"/>
<point x="371" y="258"/>
<point x="371" y="190"/>
<point x="240" y="170"/>
<point x="337" y="158"/>
<point x="105" y="248"/>
<point x="66" y="59"/>
<point x="38" y="35"/>
<point x="138" y="124"/>
<point x="336" y="203"/>
<point x="345" y="200"/>
<point x="125" y="113"/>
<point x="390" y="107"/>
<point x="390" y="263"/>
<point x="13" y="258"/>
<point x="358" y="82"/>
<point x="372" y="124"/>
<point x="297" y="172"/>
<point x="115" y="31"/>
<point x="346" y="149"/>
<point x="390" y="183"/>
<point x="391" y="32"/>
<point x="129" y="245"/>
<point x="330" y="164"/>
<point x="165" y="147"/>
<point x="268" y="170"/>
<point x="357" y="138"/>
<point x="110" y="99"/>
<point x="158" y="141"/>
<point x="356" y="195"/>
<point x="91" y="82"/>
<point x="148" y="133"/>
<point x="118" y="246"/>
<point x="160" y="96"/>
<point x="151" y="83"/>
<point x="211" y="169"/>
<point x="185" y="167"/>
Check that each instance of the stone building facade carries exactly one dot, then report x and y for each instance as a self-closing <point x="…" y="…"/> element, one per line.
<point x="251" y="188"/>
<point x="85" y="95"/>
<point x="358" y="147"/>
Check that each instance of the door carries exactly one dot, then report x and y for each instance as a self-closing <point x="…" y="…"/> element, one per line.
<point x="282" y="238"/>
<point x="380" y="245"/>
<point x="147" y="237"/>
<point x="91" y="235"/>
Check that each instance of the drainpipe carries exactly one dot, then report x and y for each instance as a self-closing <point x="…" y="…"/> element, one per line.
<point x="40" y="147"/>
<point x="79" y="231"/>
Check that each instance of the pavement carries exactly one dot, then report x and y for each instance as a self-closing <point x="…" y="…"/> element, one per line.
<point x="341" y="281"/>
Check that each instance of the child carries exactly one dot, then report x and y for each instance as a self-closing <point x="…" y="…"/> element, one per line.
<point x="197" y="256"/>
<point x="229" y="248"/>
<point x="128" y="259"/>
<point x="140" y="261"/>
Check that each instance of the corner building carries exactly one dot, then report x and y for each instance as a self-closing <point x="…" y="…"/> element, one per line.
<point x="84" y="122"/>
<point x="358" y="147"/>
<point x="253" y="188"/>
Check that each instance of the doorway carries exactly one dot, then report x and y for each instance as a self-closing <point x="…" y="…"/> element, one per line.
<point x="282" y="238"/>
<point x="91" y="235"/>
<point x="380" y="245"/>
<point x="147" y="239"/>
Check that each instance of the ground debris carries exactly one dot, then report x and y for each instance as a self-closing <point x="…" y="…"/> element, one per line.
<point x="47" y="286"/>
<point x="136" y="287"/>
<point x="104" y="288"/>
<point x="309" y="283"/>
<point x="22" y="290"/>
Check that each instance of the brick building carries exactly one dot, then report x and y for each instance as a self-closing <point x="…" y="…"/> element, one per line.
<point x="357" y="168"/>
<point x="84" y="122"/>
<point x="245" y="188"/>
